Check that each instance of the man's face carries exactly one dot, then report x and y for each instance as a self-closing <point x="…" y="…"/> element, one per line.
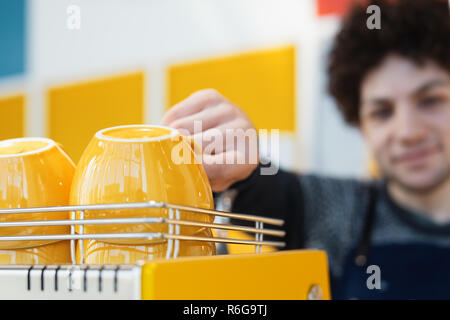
<point x="405" y="118"/>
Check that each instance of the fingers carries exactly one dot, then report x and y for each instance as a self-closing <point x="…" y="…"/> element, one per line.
<point x="226" y="136"/>
<point x="195" y="103"/>
<point x="222" y="176"/>
<point x="230" y="152"/>
<point x="206" y="118"/>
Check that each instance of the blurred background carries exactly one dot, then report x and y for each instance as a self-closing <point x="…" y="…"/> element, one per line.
<point x="71" y="68"/>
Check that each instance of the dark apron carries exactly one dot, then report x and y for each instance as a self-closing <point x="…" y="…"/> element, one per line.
<point x="407" y="271"/>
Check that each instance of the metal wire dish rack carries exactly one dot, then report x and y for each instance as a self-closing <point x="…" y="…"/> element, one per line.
<point x="173" y="221"/>
<point x="213" y="277"/>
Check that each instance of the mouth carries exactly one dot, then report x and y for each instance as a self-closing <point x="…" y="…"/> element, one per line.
<point x="415" y="158"/>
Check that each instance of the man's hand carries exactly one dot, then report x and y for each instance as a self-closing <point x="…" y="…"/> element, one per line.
<point x="220" y="128"/>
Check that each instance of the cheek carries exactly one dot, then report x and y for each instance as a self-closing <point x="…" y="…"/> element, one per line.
<point x="446" y="141"/>
<point x="377" y="141"/>
<point x="439" y="124"/>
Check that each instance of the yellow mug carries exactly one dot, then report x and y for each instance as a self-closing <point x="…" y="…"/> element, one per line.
<point x="137" y="163"/>
<point x="34" y="172"/>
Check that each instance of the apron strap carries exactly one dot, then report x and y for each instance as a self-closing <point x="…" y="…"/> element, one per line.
<point x="364" y="243"/>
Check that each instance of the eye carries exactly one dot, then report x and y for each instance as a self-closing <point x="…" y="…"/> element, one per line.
<point x="382" y="113"/>
<point x="430" y="101"/>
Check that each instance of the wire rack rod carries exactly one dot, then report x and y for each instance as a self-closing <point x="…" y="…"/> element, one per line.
<point x="98" y="236"/>
<point x="81" y="222"/>
<point x="139" y="221"/>
<point x="144" y="205"/>
<point x="143" y="236"/>
<point x="87" y="207"/>
<point x="227" y="240"/>
<point x="241" y="216"/>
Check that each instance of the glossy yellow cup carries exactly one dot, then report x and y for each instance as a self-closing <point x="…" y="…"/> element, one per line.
<point x="139" y="163"/>
<point x="100" y="252"/>
<point x="54" y="253"/>
<point x="34" y="172"/>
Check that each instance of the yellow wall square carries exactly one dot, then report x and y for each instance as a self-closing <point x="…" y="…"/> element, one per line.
<point x="77" y="111"/>
<point x="260" y="82"/>
<point x="12" y="111"/>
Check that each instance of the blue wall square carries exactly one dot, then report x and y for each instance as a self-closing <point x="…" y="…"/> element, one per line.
<point x="12" y="37"/>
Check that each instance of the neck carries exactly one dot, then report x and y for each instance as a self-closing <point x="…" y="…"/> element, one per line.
<point x="435" y="202"/>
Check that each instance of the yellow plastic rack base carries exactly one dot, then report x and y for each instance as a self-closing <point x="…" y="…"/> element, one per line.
<point x="287" y="275"/>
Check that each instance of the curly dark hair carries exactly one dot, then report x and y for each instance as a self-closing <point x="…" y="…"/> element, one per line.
<point x="415" y="29"/>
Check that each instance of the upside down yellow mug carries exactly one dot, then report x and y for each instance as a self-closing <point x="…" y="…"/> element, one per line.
<point x="138" y="163"/>
<point x="34" y="172"/>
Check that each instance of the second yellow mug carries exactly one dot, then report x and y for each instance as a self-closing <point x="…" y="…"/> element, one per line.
<point x="139" y="163"/>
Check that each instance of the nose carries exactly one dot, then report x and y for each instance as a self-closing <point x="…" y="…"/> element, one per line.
<point x="409" y="127"/>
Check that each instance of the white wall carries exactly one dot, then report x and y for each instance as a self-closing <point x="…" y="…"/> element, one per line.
<point x="149" y="35"/>
<point x="340" y="149"/>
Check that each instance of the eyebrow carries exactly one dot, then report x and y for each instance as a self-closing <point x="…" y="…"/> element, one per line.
<point x="376" y="101"/>
<point x="434" y="83"/>
<point x="420" y="90"/>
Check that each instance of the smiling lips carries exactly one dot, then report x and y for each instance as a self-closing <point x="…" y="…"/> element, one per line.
<point x="415" y="158"/>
